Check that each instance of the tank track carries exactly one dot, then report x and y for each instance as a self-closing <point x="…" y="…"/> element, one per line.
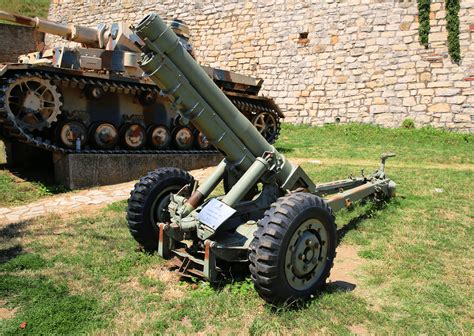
<point x="252" y="108"/>
<point x="9" y="129"/>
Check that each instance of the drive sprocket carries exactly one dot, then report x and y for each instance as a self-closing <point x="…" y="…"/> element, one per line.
<point x="35" y="102"/>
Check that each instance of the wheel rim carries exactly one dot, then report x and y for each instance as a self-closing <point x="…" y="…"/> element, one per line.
<point x="306" y="255"/>
<point x="70" y="131"/>
<point x="105" y="136"/>
<point x="34" y="102"/>
<point x="134" y="136"/>
<point x="160" y="137"/>
<point x="266" y="124"/>
<point x="203" y="142"/>
<point x="159" y="208"/>
<point x="184" y="138"/>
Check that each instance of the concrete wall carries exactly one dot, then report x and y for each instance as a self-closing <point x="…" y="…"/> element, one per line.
<point x="17" y="40"/>
<point x="360" y="62"/>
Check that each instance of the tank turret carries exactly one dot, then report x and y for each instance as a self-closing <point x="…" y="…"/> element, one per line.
<point x="117" y="37"/>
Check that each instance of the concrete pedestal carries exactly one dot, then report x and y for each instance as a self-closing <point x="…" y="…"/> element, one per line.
<point x="78" y="170"/>
<point x="85" y="170"/>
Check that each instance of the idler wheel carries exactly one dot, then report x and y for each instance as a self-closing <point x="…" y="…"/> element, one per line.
<point x="69" y="131"/>
<point x="159" y="136"/>
<point x="133" y="136"/>
<point x="201" y="141"/>
<point x="267" y="124"/>
<point x="183" y="138"/>
<point x="104" y="135"/>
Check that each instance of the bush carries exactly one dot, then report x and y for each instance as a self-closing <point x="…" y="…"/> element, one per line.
<point x="408" y="123"/>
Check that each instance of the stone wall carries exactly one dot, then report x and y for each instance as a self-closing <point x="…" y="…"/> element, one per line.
<point x="17" y="40"/>
<point x="324" y="60"/>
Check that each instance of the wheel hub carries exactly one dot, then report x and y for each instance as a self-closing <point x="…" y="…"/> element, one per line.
<point x="32" y="101"/>
<point x="134" y="136"/>
<point x="306" y="253"/>
<point x="184" y="138"/>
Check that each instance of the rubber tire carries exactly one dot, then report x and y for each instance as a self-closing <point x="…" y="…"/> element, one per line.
<point x="143" y="196"/>
<point x="269" y="246"/>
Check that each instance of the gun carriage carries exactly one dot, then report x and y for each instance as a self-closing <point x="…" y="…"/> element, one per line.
<point x="272" y="216"/>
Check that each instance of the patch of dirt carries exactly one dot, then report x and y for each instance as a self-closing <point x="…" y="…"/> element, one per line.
<point x="170" y="280"/>
<point x="6" y="313"/>
<point x="358" y="330"/>
<point x="346" y="263"/>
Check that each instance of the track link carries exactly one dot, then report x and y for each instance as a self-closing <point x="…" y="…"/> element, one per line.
<point x="11" y="131"/>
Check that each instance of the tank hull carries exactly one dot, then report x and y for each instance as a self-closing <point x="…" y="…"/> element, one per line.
<point x="76" y="104"/>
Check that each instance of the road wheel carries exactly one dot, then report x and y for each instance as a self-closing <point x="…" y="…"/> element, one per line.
<point x="148" y="203"/>
<point x="293" y="249"/>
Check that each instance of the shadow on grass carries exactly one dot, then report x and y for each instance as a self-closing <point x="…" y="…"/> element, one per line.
<point x="284" y="150"/>
<point x="7" y="233"/>
<point x="354" y="223"/>
<point x="42" y="175"/>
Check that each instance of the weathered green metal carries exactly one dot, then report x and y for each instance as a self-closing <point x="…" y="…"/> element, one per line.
<point x="200" y="101"/>
<point x="251" y="161"/>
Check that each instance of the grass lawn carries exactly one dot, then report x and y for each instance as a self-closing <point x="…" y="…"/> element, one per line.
<point x="85" y="275"/>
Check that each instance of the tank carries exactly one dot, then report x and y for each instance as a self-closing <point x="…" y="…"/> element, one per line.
<point x="94" y="98"/>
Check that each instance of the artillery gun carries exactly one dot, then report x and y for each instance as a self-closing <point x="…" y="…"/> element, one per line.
<point x="272" y="216"/>
<point x="94" y="98"/>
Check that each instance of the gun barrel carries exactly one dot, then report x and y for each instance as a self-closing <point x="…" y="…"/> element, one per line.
<point x="201" y="100"/>
<point x="85" y="35"/>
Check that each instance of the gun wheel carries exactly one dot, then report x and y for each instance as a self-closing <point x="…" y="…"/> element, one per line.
<point x="293" y="249"/>
<point x="148" y="203"/>
<point x="35" y="102"/>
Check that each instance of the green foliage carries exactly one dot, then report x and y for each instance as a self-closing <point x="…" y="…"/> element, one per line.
<point x="452" y="25"/>
<point x="26" y="7"/>
<point x="408" y="123"/>
<point x="424" y="7"/>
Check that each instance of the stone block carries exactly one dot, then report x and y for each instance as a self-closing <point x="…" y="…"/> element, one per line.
<point x="441" y="107"/>
<point x="447" y="92"/>
<point x="86" y="170"/>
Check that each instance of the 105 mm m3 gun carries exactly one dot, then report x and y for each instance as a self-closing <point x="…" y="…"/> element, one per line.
<point x="272" y="216"/>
